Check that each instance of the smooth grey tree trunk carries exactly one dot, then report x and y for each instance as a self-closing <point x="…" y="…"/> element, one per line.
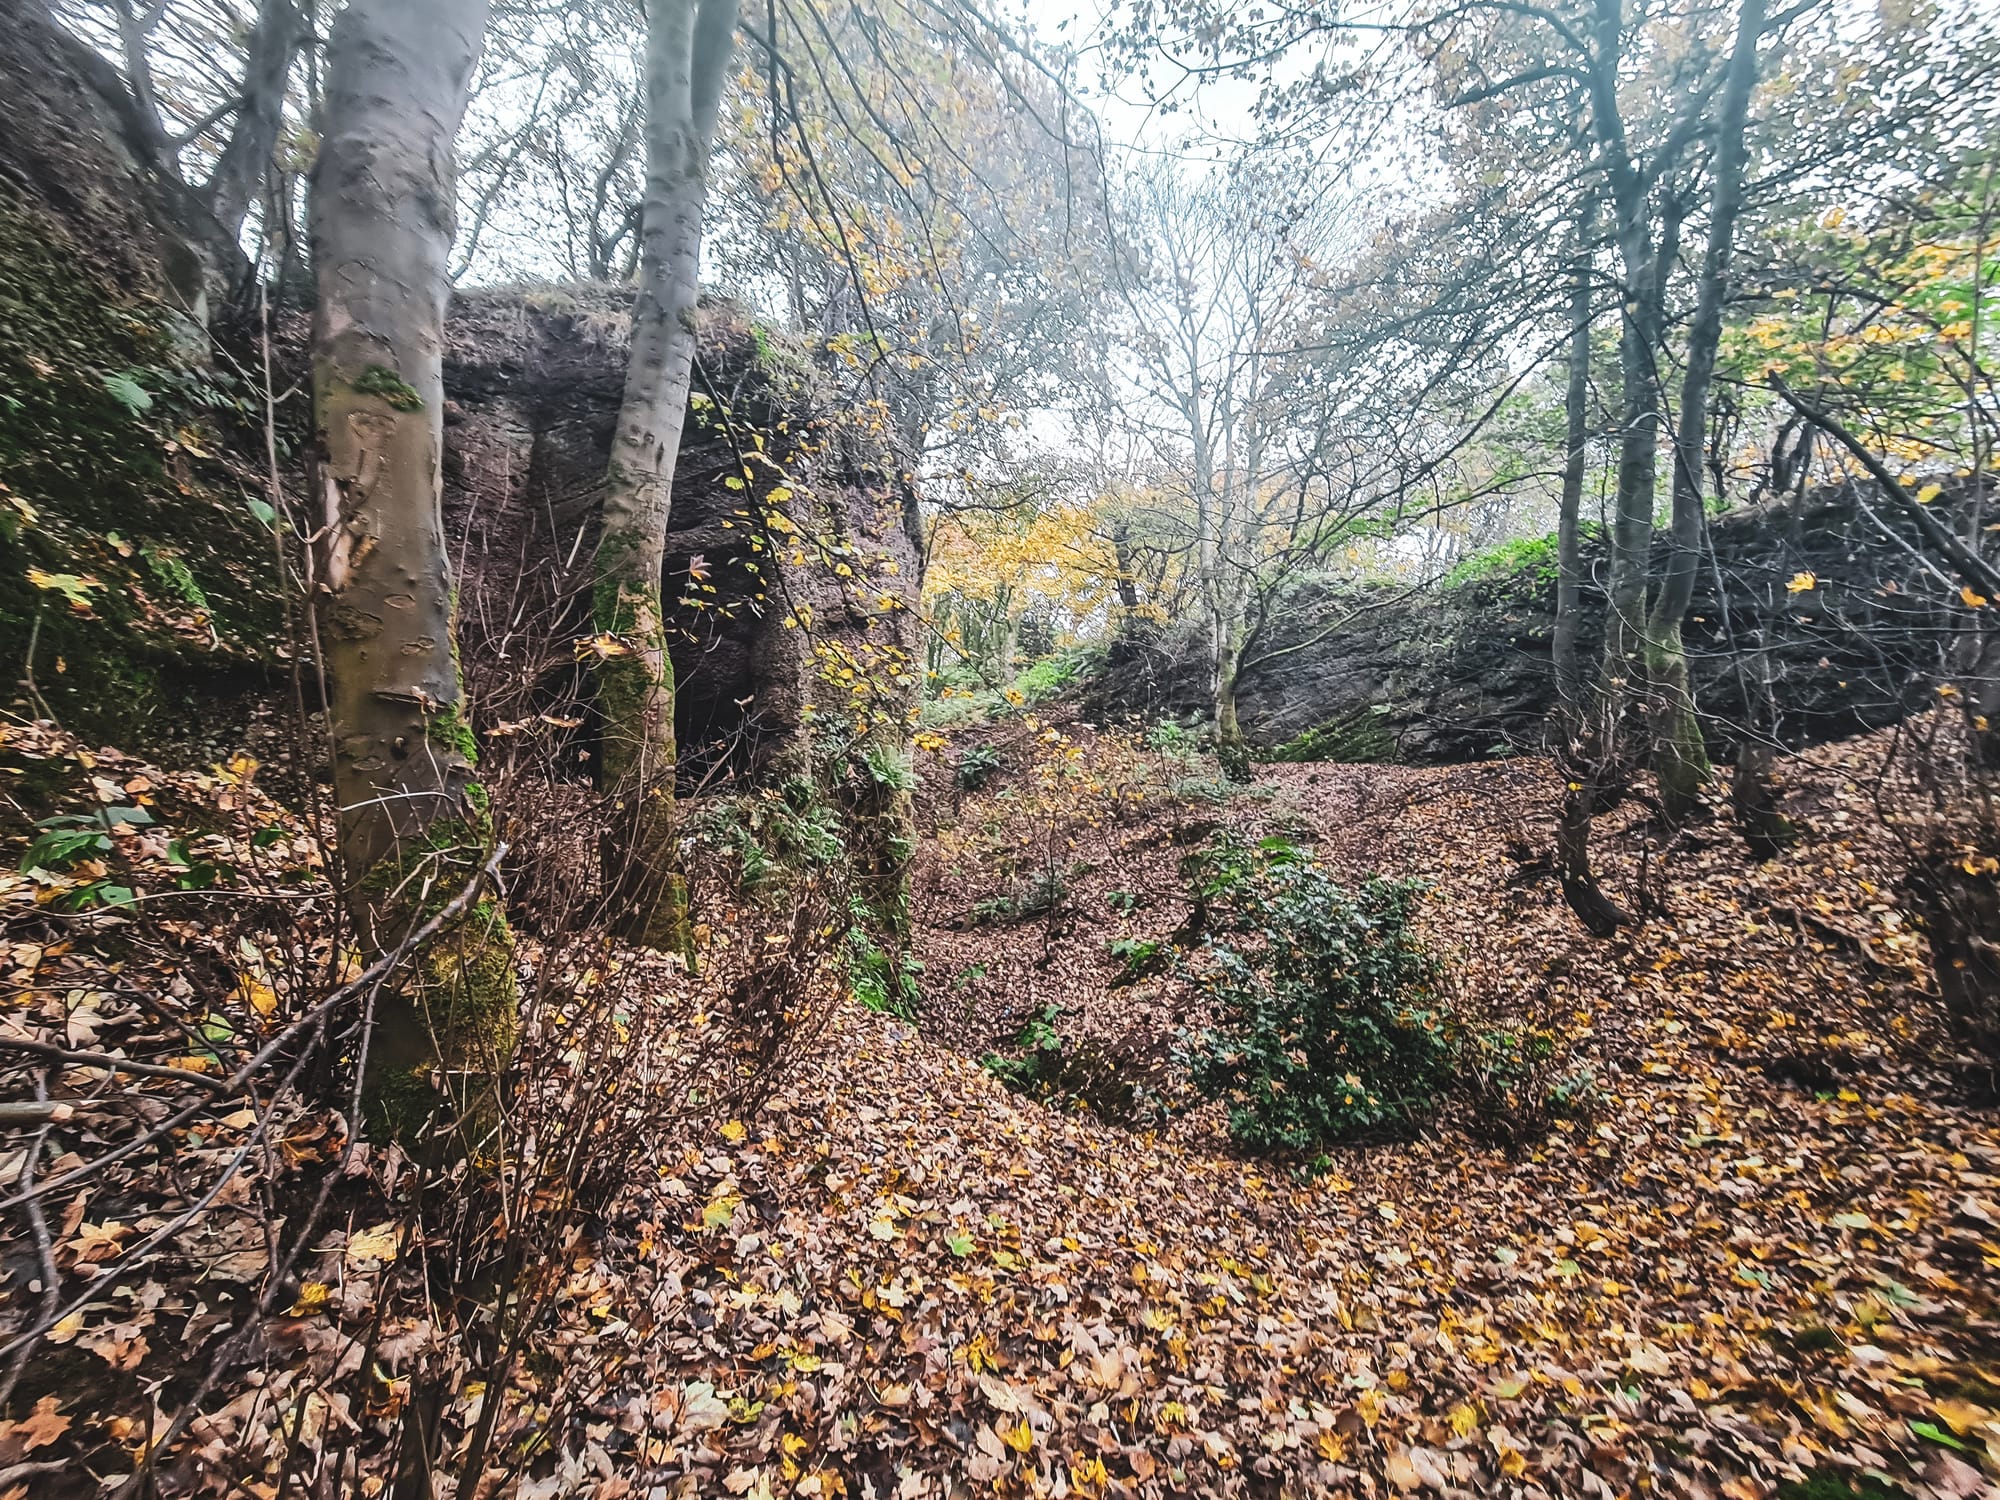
<point x="413" y="829"/>
<point x="1680" y="758"/>
<point x="245" y="162"/>
<point x="688" y="46"/>
<point x="1576" y="437"/>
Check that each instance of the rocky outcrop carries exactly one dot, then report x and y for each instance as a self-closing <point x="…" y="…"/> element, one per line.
<point x="791" y="569"/>
<point x="1463" y="673"/>
<point x="139" y="590"/>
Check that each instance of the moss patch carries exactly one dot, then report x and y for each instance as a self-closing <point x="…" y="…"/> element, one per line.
<point x="126" y="548"/>
<point x="384" y="383"/>
<point x="1356" y="737"/>
<point x="446" y="1035"/>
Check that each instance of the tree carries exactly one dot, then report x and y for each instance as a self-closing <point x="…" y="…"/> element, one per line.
<point x="207" y="88"/>
<point x="1227" y="285"/>
<point x="1680" y="757"/>
<point x="688" y="45"/>
<point x="413" y="824"/>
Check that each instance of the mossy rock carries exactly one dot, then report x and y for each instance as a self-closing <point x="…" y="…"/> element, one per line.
<point x="128" y="553"/>
<point x="1359" y="736"/>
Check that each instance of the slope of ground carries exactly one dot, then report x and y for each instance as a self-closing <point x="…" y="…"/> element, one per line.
<point x="908" y="1282"/>
<point x="1764" y="1267"/>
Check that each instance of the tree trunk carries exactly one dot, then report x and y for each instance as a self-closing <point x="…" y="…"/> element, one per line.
<point x="1232" y="753"/>
<point x="1599" y="914"/>
<point x="413" y="826"/>
<point x="1576" y="437"/>
<point x="1127" y="580"/>
<point x="1767" y="832"/>
<point x="688" y="44"/>
<point x="246" y="158"/>
<point x="1680" y="758"/>
<point x="1632" y="521"/>
<point x="1959" y="896"/>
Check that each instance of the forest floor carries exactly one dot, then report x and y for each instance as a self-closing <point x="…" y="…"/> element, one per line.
<point x="1764" y="1265"/>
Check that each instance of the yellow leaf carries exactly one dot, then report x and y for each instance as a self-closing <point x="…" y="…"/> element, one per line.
<point x="1972" y="600"/>
<point x="256" y="994"/>
<point x="1463" y="1419"/>
<point x="1929" y="493"/>
<point x="1020" y="1437"/>
<point x="734" y="1131"/>
<point x="1963" y="1416"/>
<point x="1802" y="582"/>
<point x="378" y="1243"/>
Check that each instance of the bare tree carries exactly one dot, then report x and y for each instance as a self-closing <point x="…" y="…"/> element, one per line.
<point x="412" y="818"/>
<point x="1680" y="756"/>
<point x="688" y="47"/>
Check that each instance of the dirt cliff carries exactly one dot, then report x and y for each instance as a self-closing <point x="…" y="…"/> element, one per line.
<point x="1464" y="672"/>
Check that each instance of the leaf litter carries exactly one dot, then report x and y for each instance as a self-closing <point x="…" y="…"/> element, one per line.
<point x="1766" y="1260"/>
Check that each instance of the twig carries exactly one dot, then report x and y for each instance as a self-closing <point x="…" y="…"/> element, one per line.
<point x="38" y="1226"/>
<point x="376" y="971"/>
<point x="108" y="1061"/>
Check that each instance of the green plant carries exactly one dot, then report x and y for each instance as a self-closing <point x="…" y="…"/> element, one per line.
<point x="888" y="767"/>
<point x="881" y="981"/>
<point x="1057" y="1070"/>
<point x="1359" y="736"/>
<point x="977" y="767"/>
<point x="1041" y="1048"/>
<point x="1139" y="957"/>
<point x="1048" y="677"/>
<point x="68" y="837"/>
<point x="1335" y="1027"/>
<point x="1041" y="895"/>
<point x="1521" y="1082"/>
<point x="773" y="834"/>
<point x="1213" y="793"/>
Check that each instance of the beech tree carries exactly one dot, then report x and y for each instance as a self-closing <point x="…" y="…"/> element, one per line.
<point x="688" y="46"/>
<point x="207" y="89"/>
<point x="413" y="824"/>
<point x="1680" y="756"/>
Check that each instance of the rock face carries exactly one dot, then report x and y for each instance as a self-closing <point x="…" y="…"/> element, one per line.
<point x="1465" y="673"/>
<point x="134" y="544"/>
<point x="129" y="557"/>
<point x="791" y="572"/>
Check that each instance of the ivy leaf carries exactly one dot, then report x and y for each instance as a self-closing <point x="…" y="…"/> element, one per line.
<point x="125" y="389"/>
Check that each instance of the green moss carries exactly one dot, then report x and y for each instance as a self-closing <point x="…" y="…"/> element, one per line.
<point x="456" y="1017"/>
<point x="85" y="466"/>
<point x="383" y="382"/>
<point x="1357" y="737"/>
<point x="448" y="730"/>
<point x="400" y="1100"/>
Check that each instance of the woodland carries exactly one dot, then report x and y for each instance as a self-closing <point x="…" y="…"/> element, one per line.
<point x="901" y="748"/>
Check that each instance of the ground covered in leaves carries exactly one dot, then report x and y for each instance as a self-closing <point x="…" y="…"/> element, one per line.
<point x="1761" y="1264"/>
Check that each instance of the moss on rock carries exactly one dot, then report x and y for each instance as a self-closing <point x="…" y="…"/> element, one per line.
<point x="126" y="551"/>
